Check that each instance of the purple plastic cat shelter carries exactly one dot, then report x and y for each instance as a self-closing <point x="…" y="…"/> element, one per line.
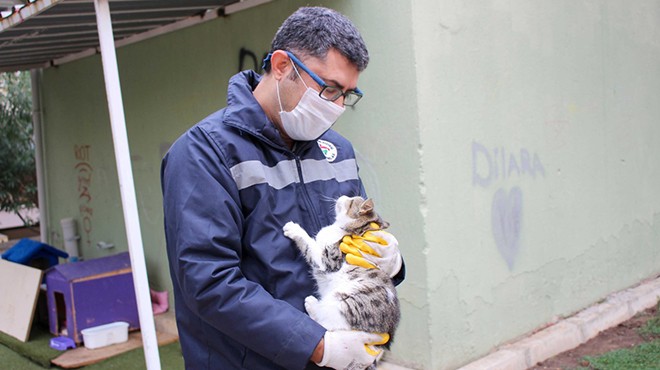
<point x="91" y="293"/>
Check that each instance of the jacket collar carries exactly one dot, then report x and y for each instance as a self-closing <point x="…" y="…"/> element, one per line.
<point x="244" y="112"/>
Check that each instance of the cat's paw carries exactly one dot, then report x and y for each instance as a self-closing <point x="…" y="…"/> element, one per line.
<point x="292" y="230"/>
<point x="310" y="306"/>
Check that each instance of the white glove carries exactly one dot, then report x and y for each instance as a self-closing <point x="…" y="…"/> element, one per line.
<point x="351" y="350"/>
<point x="374" y="249"/>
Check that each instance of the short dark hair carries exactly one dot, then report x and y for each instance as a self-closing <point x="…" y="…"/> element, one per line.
<point x="313" y="31"/>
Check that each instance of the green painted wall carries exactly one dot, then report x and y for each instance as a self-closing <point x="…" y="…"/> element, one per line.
<point x="509" y="143"/>
<point x="172" y="81"/>
<point x="81" y="172"/>
<point x="539" y="147"/>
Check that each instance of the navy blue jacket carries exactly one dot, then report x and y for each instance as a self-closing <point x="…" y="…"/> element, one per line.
<point x="229" y="185"/>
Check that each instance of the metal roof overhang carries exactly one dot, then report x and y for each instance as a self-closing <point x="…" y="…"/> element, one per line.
<point x="47" y="33"/>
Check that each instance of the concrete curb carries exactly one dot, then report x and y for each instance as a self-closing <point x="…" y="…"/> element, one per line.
<point x="383" y="365"/>
<point x="573" y="331"/>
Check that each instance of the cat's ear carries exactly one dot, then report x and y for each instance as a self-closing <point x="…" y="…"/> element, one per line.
<point x="366" y="207"/>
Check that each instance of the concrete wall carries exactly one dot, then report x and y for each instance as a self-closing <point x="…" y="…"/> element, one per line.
<point x="539" y="142"/>
<point x="510" y="144"/>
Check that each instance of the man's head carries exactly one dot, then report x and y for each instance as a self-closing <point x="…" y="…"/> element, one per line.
<point x="317" y="53"/>
<point x="313" y="31"/>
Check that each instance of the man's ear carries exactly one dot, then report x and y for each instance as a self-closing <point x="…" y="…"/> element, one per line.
<point x="280" y="64"/>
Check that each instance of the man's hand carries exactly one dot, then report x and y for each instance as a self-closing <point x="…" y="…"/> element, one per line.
<point x="351" y="350"/>
<point x="375" y="249"/>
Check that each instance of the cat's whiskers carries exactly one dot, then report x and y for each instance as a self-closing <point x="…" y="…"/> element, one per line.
<point x="326" y="198"/>
<point x="331" y="210"/>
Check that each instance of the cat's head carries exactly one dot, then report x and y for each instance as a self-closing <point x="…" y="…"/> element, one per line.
<point x="354" y="214"/>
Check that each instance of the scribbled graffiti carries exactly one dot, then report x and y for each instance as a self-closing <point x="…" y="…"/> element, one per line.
<point x="492" y="166"/>
<point x="84" y="172"/>
<point x="506" y="221"/>
<point x="244" y="54"/>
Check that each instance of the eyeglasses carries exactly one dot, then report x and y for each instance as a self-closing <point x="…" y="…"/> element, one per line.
<point x="330" y="93"/>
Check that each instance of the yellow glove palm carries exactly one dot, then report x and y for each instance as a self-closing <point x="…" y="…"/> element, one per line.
<point x="375" y="249"/>
<point x="356" y="245"/>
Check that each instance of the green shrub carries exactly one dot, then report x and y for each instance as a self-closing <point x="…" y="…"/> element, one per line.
<point x="18" y="189"/>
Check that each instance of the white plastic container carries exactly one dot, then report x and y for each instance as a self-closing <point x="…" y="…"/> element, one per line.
<point x="71" y="237"/>
<point x="105" y="335"/>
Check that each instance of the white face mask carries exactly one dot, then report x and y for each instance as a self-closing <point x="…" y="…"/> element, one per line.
<point x="311" y="117"/>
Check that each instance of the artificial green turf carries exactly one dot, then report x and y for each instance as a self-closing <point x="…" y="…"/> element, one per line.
<point x="12" y="360"/>
<point x="36" y="349"/>
<point x="170" y="359"/>
<point x="36" y="354"/>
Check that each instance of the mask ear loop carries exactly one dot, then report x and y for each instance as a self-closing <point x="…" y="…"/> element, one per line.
<point x="277" y="86"/>
<point x="298" y="73"/>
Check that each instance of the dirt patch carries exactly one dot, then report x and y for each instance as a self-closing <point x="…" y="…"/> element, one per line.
<point x="624" y="335"/>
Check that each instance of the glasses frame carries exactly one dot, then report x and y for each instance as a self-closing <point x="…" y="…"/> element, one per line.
<point x="355" y="92"/>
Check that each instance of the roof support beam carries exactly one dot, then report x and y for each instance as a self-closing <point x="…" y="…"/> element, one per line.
<point x="25" y="13"/>
<point x="30" y="30"/>
<point x="126" y="184"/>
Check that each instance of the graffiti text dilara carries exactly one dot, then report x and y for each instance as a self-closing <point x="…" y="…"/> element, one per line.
<point x="499" y="163"/>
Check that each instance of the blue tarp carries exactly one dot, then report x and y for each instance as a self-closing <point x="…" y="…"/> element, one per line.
<point x="27" y="250"/>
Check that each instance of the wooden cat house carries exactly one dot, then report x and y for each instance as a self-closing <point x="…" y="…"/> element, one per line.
<point x="90" y="293"/>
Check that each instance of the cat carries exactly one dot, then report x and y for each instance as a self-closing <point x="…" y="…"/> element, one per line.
<point x="350" y="297"/>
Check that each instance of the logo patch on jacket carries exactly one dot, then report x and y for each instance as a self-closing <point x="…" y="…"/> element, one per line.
<point x="329" y="150"/>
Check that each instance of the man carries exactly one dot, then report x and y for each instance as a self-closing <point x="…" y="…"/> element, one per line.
<point x="233" y="180"/>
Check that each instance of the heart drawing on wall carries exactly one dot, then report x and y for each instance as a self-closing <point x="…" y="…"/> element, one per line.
<point x="506" y="222"/>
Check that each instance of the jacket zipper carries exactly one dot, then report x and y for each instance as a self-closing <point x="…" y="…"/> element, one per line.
<point x="308" y="198"/>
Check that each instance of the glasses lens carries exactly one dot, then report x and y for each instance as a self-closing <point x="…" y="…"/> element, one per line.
<point x="351" y="98"/>
<point x="331" y="93"/>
